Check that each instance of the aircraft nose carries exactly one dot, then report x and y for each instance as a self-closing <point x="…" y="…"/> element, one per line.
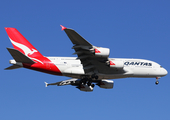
<point x="164" y="72"/>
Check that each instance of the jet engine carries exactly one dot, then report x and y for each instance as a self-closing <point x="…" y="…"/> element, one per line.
<point x="107" y="84"/>
<point x="115" y="64"/>
<point x="85" y="87"/>
<point x="102" y="52"/>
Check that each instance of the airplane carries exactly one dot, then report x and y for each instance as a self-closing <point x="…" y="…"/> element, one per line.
<point x="91" y="67"/>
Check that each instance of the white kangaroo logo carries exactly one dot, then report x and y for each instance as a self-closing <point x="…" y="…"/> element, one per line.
<point x="33" y="51"/>
<point x="26" y="50"/>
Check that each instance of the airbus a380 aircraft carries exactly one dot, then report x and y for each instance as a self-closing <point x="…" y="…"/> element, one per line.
<point x="92" y="66"/>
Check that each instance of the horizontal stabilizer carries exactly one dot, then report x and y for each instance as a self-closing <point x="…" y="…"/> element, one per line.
<point x="19" y="57"/>
<point x="13" y="67"/>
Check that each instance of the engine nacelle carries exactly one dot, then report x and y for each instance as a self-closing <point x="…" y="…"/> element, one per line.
<point x="107" y="84"/>
<point x="85" y="88"/>
<point x="102" y="52"/>
<point x="116" y="64"/>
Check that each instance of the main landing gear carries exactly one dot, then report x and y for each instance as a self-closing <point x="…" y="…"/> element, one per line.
<point x="88" y="80"/>
<point x="94" y="76"/>
<point x="157" y="82"/>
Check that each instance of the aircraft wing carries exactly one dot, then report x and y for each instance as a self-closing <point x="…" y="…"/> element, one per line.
<point x="76" y="39"/>
<point x="93" y="58"/>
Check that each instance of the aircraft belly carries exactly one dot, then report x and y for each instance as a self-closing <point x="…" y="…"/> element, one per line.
<point x="73" y="70"/>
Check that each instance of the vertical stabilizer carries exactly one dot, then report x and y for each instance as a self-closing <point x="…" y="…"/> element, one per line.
<point x="22" y="44"/>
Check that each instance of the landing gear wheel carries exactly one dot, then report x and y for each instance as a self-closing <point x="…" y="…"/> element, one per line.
<point x="92" y="85"/>
<point x="89" y="83"/>
<point x="94" y="76"/>
<point x="157" y="82"/>
<point x="84" y="82"/>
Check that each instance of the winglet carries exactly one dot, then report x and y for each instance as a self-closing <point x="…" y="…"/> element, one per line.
<point x="46" y="84"/>
<point x="62" y="27"/>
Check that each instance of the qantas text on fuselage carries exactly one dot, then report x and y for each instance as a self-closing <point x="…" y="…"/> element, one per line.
<point x="138" y="63"/>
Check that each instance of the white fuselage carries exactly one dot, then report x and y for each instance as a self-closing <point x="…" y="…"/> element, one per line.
<point x="72" y="67"/>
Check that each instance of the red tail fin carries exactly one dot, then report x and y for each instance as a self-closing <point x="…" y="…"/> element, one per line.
<point x="22" y="44"/>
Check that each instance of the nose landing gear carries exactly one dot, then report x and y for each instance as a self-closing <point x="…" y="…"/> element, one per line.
<point x="157" y="82"/>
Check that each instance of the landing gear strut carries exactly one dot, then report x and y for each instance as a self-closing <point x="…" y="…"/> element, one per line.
<point x="157" y="82"/>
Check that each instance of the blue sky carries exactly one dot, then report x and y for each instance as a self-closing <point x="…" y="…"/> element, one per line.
<point x="131" y="29"/>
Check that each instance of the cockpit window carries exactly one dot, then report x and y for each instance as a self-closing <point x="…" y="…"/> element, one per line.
<point x="161" y="67"/>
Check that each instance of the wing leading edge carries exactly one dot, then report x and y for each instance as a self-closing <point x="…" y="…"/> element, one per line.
<point x="75" y="38"/>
